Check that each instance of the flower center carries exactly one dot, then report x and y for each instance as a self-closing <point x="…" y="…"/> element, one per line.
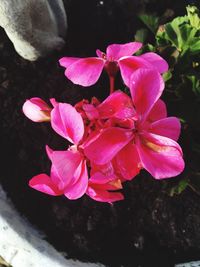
<point x="112" y="68"/>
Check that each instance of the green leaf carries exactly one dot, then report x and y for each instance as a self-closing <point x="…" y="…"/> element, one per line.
<point x="172" y="34"/>
<point x="180" y="35"/>
<point x="195" y="45"/>
<point x="161" y="36"/>
<point x="167" y="76"/>
<point x="178" y="189"/>
<point x="150" y="48"/>
<point x="141" y="35"/>
<point x="146" y="48"/>
<point x="195" y="83"/>
<point x="187" y="34"/>
<point x="151" y="21"/>
<point x="194" y="16"/>
<point x="183" y="121"/>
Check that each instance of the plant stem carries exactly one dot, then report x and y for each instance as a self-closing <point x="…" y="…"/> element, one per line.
<point x="112" y="84"/>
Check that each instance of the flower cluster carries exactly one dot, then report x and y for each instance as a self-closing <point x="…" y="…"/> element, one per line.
<point x="111" y="141"/>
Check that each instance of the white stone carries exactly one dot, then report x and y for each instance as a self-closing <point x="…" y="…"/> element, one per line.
<point x="35" y="27"/>
<point x="23" y="246"/>
<point x="189" y="264"/>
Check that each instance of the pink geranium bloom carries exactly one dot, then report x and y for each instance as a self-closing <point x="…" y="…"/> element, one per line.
<point x="69" y="174"/>
<point x="148" y="142"/>
<point x="37" y="110"/>
<point x="86" y="71"/>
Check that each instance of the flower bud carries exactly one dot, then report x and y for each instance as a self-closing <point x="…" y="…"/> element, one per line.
<point x="36" y="110"/>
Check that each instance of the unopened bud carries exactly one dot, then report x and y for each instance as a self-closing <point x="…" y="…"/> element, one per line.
<point x="36" y="110"/>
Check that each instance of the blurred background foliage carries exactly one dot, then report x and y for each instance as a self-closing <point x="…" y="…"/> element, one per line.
<point x="178" y="41"/>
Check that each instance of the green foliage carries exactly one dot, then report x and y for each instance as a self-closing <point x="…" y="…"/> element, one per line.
<point x="151" y="21"/>
<point x="194" y="15"/>
<point x="195" y="83"/>
<point x="180" y="34"/>
<point x="141" y="35"/>
<point x="178" y="41"/>
<point x="167" y="76"/>
<point x="179" y="188"/>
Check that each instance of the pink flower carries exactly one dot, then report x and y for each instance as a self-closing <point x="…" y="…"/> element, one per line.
<point x="69" y="174"/>
<point x="148" y="142"/>
<point x="37" y="110"/>
<point x="86" y="71"/>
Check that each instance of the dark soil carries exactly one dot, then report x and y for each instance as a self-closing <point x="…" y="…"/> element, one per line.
<point x="149" y="228"/>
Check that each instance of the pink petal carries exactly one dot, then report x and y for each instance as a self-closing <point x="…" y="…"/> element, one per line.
<point x="53" y="101"/>
<point x="44" y="184"/>
<point x="65" y="183"/>
<point x="106" y="169"/>
<point x="169" y="127"/>
<point x="64" y="167"/>
<point x="104" y="196"/>
<point x="98" y="187"/>
<point x="91" y="111"/>
<point x="85" y="71"/>
<point x="67" y="122"/>
<point x="116" y="51"/>
<point x="157" y="62"/>
<point x="78" y="189"/>
<point x="100" y="179"/>
<point x="159" y="111"/>
<point x="127" y="162"/>
<point x="56" y="179"/>
<point x="67" y="61"/>
<point x="109" y="142"/>
<point x="130" y="64"/>
<point x="100" y="54"/>
<point x="128" y="123"/>
<point x="49" y="151"/>
<point x="160" y="156"/>
<point x="65" y="156"/>
<point x="118" y="104"/>
<point x="36" y="110"/>
<point x="146" y="87"/>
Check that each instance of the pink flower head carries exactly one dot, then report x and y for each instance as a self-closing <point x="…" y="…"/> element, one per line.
<point x="86" y="71"/>
<point x="150" y="141"/>
<point x="37" y="110"/>
<point x="113" y="140"/>
<point x="69" y="174"/>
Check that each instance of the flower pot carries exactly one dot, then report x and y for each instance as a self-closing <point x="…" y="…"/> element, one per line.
<point x="22" y="245"/>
